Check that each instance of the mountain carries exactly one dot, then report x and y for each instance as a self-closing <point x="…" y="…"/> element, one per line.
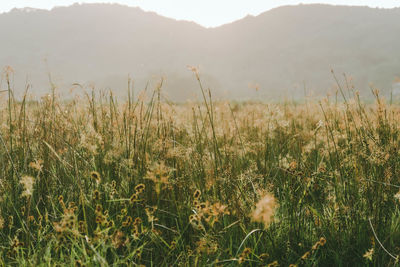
<point x="280" y="51"/>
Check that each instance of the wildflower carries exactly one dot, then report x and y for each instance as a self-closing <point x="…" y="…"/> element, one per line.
<point x="113" y="193"/>
<point x="138" y="254"/>
<point x="118" y="239"/>
<point x="96" y="195"/>
<point x="23" y="210"/>
<point x="36" y="165"/>
<point x="306" y="255"/>
<point x="136" y="232"/>
<point x="246" y="251"/>
<point x="368" y="255"/>
<point x="140" y="188"/>
<point x="315" y="246"/>
<point x="218" y="209"/>
<point x="137" y="221"/>
<point x="153" y="230"/>
<point x="196" y="194"/>
<point x="322" y="241"/>
<point x="124" y="211"/>
<point x="16" y="243"/>
<point x="245" y="254"/>
<point x="203" y="205"/>
<point x="173" y="245"/>
<point x="194" y="220"/>
<point x="99" y="208"/>
<point x="150" y="215"/>
<point x="27" y="182"/>
<point x="95" y="176"/>
<point x="99" y="219"/>
<point x="193" y="217"/>
<point x="128" y="221"/>
<point x="293" y="165"/>
<point x="134" y="198"/>
<point x="241" y="259"/>
<point x="265" y="210"/>
<point x="264" y="256"/>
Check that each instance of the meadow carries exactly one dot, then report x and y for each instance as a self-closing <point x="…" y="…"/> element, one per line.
<point x="96" y="181"/>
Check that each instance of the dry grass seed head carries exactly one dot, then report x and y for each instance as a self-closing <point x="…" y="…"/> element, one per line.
<point x="27" y="182"/>
<point x="265" y="209"/>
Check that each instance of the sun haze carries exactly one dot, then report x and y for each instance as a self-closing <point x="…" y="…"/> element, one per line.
<point x="208" y="13"/>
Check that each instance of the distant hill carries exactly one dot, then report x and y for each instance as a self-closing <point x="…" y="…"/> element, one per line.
<point x="279" y="51"/>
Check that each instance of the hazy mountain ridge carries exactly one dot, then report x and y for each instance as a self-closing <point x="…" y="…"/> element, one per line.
<point x="279" y="50"/>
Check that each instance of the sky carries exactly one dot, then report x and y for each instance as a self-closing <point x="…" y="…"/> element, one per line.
<point x="209" y="13"/>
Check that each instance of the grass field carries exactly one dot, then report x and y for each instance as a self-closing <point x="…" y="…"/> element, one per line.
<point x="96" y="182"/>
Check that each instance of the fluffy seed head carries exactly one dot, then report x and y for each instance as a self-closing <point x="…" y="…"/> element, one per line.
<point x="265" y="209"/>
<point x="27" y="182"/>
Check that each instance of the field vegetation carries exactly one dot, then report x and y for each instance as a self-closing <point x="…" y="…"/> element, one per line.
<point x="96" y="181"/>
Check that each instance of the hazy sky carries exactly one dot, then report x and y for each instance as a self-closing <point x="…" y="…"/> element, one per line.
<point x="208" y="13"/>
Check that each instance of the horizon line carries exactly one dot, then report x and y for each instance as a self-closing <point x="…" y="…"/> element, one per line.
<point x="186" y="20"/>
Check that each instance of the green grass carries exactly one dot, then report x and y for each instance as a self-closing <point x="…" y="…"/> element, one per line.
<point x="332" y="167"/>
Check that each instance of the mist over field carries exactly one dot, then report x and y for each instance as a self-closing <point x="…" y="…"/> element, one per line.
<point x="281" y="52"/>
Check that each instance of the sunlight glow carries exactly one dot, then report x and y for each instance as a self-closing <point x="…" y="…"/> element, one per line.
<point x="209" y="13"/>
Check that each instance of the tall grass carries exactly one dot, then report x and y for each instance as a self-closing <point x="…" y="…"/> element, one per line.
<point x="95" y="182"/>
